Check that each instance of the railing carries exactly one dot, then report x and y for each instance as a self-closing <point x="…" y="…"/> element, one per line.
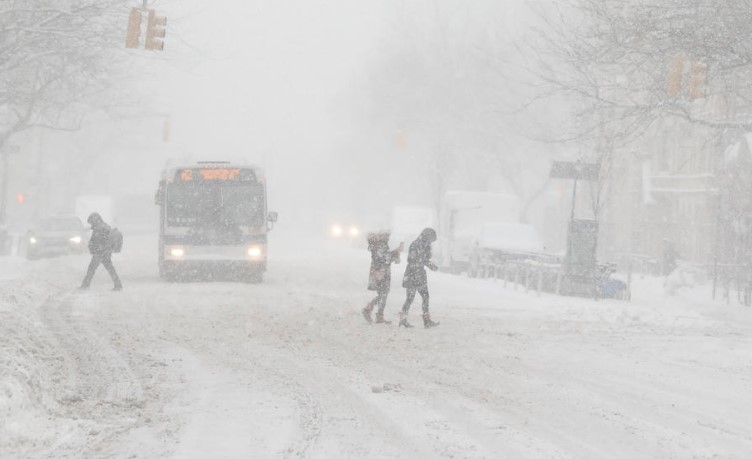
<point x="731" y="280"/>
<point x="542" y="273"/>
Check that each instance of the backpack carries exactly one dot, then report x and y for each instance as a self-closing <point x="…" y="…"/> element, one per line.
<point x="115" y="240"/>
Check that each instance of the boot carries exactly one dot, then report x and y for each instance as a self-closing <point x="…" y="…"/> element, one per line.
<point x="403" y="321"/>
<point x="427" y="322"/>
<point x="367" y="313"/>
<point x="380" y="319"/>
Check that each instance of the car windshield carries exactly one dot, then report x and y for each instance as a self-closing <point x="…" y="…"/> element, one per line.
<point x="60" y="224"/>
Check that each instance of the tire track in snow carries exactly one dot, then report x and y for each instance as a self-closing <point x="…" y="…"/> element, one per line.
<point x="98" y="373"/>
<point x="300" y="371"/>
<point x="310" y="419"/>
<point x="99" y="386"/>
<point x="459" y="415"/>
<point x="256" y="368"/>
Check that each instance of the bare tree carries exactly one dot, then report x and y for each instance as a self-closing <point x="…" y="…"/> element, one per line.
<point x="437" y="81"/>
<point x="55" y="56"/>
<point x="626" y="64"/>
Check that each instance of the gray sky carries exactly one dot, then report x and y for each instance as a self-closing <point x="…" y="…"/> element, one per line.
<point x="277" y="82"/>
<point x="263" y="76"/>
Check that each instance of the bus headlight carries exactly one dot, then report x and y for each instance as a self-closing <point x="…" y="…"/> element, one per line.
<point x="354" y="231"/>
<point x="32" y="240"/>
<point x="177" y="252"/>
<point x="337" y="231"/>
<point x="254" y="251"/>
<point x="75" y="239"/>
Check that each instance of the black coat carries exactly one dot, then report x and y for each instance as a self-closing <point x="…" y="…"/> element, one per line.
<point x="99" y="244"/>
<point x="380" y="275"/>
<point x="418" y="257"/>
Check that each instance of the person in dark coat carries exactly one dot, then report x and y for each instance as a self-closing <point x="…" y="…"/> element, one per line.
<point x="101" y="251"/>
<point x="415" y="279"/>
<point x="380" y="275"/>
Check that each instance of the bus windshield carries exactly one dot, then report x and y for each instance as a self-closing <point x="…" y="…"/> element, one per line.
<point x="215" y="204"/>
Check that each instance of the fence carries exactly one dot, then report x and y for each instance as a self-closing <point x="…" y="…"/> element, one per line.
<point x="731" y="279"/>
<point x="546" y="275"/>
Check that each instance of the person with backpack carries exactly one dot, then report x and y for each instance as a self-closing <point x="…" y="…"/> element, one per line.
<point x="380" y="274"/>
<point x="104" y="241"/>
<point x="415" y="279"/>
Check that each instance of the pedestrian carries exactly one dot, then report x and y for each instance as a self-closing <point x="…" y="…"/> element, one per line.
<point x="100" y="247"/>
<point x="415" y="280"/>
<point x="380" y="275"/>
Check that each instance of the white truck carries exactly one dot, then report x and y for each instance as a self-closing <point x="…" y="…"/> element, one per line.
<point x="408" y="221"/>
<point x="461" y="219"/>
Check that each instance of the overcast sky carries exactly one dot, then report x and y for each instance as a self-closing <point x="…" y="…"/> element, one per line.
<point x="271" y="82"/>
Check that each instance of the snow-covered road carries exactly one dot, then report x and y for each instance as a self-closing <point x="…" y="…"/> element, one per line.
<point x="289" y="368"/>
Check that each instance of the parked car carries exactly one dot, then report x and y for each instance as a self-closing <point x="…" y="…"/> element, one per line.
<point x="56" y="235"/>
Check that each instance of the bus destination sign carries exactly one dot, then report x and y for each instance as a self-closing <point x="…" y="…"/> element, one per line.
<point x="215" y="174"/>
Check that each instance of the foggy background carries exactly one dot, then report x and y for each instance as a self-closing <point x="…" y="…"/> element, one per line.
<point x="350" y="107"/>
<point x="355" y="108"/>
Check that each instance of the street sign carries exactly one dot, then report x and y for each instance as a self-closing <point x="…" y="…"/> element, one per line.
<point x="575" y="170"/>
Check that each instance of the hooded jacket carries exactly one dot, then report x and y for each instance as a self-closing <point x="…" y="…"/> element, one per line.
<point x="418" y="258"/>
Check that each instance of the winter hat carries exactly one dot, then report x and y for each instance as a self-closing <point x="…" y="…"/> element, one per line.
<point x="428" y="234"/>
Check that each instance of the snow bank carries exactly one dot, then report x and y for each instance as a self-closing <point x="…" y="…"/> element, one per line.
<point x="28" y="382"/>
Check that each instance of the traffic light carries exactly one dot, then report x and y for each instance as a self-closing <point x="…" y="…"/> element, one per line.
<point x="133" y="34"/>
<point x="698" y="75"/>
<point x="155" y="31"/>
<point x="21" y="198"/>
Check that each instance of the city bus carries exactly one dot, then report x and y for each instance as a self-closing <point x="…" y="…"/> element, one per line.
<point x="213" y="221"/>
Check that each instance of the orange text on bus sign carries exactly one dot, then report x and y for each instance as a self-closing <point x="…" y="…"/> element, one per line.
<point x="220" y="174"/>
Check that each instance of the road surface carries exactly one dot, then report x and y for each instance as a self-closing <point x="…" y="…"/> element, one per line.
<point x="289" y="368"/>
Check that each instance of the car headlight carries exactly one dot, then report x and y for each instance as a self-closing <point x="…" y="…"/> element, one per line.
<point x="32" y="240"/>
<point x="354" y="231"/>
<point x="177" y="252"/>
<point x="75" y="239"/>
<point x="337" y="231"/>
<point x="254" y="251"/>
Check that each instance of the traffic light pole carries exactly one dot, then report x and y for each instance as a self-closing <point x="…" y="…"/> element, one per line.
<point x="4" y="188"/>
<point x="5" y="151"/>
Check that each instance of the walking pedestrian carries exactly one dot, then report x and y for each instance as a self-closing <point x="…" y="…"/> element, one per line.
<point x="100" y="247"/>
<point x="415" y="280"/>
<point x="380" y="275"/>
